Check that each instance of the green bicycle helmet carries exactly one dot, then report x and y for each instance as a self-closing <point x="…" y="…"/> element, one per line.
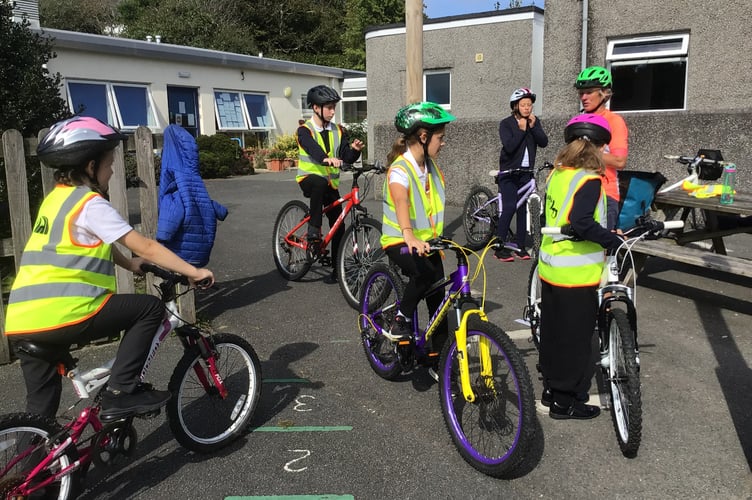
<point x="428" y="115"/>
<point x="594" y="77"/>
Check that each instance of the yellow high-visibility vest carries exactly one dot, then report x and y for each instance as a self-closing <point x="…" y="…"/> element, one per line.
<point x="59" y="281"/>
<point x="562" y="261"/>
<point x="426" y="208"/>
<point x="308" y="166"/>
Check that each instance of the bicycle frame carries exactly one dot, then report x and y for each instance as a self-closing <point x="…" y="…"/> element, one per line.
<point x="457" y="296"/>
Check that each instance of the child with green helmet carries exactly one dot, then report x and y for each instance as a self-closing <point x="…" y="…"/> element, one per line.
<point x="594" y="86"/>
<point x="413" y="206"/>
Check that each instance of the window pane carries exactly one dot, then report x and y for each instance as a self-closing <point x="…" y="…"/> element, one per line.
<point x="641" y="47"/>
<point x="90" y="99"/>
<point x="354" y="111"/>
<point x="648" y="86"/>
<point x="437" y="88"/>
<point x="258" y="110"/>
<point x="134" y="106"/>
<point x="229" y="110"/>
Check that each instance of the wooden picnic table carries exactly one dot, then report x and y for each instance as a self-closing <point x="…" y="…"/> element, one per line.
<point x="720" y="221"/>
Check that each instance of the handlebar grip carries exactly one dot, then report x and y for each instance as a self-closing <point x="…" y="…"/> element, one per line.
<point x="204" y="283"/>
<point x="673" y="224"/>
<point x="164" y="273"/>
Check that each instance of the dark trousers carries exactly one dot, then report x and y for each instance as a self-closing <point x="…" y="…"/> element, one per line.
<point x="138" y="315"/>
<point x="509" y="184"/>
<point x="422" y="273"/>
<point x="317" y="188"/>
<point x="568" y="319"/>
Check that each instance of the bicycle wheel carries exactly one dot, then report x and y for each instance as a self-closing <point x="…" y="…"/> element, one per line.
<point x="379" y="303"/>
<point x="359" y="250"/>
<point x="199" y="417"/>
<point x="480" y="216"/>
<point x="624" y="383"/>
<point x="532" y="309"/>
<point x="534" y="209"/>
<point x="494" y="432"/>
<point x="25" y="440"/>
<point x="289" y="241"/>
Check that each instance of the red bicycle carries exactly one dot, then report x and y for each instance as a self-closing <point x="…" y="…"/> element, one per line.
<point x="360" y="247"/>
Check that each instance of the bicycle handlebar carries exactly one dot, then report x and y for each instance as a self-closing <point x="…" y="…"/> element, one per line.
<point x="546" y="166"/>
<point x="172" y="277"/>
<point x="644" y="225"/>
<point x="376" y="166"/>
<point x="689" y="160"/>
<point x="440" y="243"/>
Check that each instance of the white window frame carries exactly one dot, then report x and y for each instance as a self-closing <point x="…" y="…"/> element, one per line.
<point x="425" y="86"/>
<point x="245" y="114"/>
<point x="653" y="54"/>
<point x="305" y="111"/>
<point x="113" y="105"/>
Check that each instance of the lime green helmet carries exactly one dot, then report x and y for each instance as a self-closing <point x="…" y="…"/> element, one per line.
<point x="428" y="115"/>
<point x="594" y="77"/>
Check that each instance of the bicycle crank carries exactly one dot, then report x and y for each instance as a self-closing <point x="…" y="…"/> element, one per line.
<point x="115" y="442"/>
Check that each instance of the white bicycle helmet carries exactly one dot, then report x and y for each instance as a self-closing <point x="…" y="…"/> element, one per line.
<point x="520" y="94"/>
<point x="74" y="141"/>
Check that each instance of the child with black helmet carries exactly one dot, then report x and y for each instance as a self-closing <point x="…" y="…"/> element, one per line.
<point x="521" y="135"/>
<point x="64" y="292"/>
<point x="323" y="146"/>
<point x="570" y="268"/>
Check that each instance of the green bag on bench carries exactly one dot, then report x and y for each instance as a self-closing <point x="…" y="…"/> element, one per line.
<point x="636" y="193"/>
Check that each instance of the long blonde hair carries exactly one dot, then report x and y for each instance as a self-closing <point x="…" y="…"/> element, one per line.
<point x="581" y="153"/>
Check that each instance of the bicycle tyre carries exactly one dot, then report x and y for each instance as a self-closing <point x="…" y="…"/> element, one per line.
<point x="624" y="383"/>
<point x="359" y="250"/>
<point x="532" y="309"/>
<point x="534" y="209"/>
<point x="494" y="433"/>
<point x="380" y="297"/>
<point x="291" y="261"/>
<point x="202" y="420"/>
<point x="19" y="428"/>
<point x="479" y="217"/>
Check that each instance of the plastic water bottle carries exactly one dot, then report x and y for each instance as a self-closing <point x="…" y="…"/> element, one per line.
<point x="729" y="183"/>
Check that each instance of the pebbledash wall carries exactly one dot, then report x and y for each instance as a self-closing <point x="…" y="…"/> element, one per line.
<point x="484" y="57"/>
<point x="527" y="47"/>
<point x="717" y="100"/>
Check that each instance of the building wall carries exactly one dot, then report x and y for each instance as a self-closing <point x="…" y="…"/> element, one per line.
<point x="719" y="82"/>
<point x="479" y="90"/>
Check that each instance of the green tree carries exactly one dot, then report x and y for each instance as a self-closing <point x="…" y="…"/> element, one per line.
<point x="86" y="16"/>
<point x="29" y="93"/>
<point x="195" y="23"/>
<point x="360" y="15"/>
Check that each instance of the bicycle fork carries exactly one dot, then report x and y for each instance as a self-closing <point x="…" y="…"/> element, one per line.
<point x="486" y="369"/>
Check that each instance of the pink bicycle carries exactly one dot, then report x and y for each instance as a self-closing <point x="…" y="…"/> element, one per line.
<point x="215" y="388"/>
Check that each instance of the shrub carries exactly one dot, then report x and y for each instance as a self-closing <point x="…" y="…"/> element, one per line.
<point x="359" y="131"/>
<point x="220" y="156"/>
<point x="289" y="144"/>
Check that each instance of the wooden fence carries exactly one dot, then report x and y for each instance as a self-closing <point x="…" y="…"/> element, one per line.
<point x="14" y="151"/>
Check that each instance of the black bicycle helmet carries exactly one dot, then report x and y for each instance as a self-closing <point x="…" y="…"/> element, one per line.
<point x="321" y="94"/>
<point x="588" y="126"/>
<point x="426" y="115"/>
<point x="74" y="141"/>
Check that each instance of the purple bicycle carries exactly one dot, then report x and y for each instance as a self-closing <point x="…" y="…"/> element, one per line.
<point x="484" y="386"/>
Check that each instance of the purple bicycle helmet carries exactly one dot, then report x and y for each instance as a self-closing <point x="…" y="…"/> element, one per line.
<point x="74" y="141"/>
<point x="588" y="126"/>
<point x="520" y="94"/>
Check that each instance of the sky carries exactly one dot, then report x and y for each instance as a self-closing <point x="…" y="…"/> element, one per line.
<point x="443" y="8"/>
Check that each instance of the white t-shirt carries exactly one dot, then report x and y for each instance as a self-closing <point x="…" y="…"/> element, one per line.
<point x="98" y="220"/>
<point x="399" y="176"/>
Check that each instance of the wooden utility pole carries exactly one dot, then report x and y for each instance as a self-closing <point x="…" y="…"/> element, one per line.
<point x="414" y="45"/>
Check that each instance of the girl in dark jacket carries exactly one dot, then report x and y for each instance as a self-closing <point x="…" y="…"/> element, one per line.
<point x="521" y="134"/>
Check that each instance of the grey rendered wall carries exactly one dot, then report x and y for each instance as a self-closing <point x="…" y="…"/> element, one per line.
<point x="719" y="92"/>
<point x="480" y="90"/>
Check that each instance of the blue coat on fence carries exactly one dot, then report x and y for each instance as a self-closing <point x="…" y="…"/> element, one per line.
<point x="187" y="220"/>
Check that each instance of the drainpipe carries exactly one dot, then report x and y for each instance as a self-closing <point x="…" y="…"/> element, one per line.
<point x="583" y="48"/>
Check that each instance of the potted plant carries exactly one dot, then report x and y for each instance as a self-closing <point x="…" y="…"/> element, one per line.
<point x="275" y="160"/>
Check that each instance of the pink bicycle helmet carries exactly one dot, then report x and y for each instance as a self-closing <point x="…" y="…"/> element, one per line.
<point x="74" y="141"/>
<point x="520" y="94"/>
<point x="588" y="126"/>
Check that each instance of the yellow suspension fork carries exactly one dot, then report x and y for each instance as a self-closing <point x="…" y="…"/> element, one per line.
<point x="486" y="369"/>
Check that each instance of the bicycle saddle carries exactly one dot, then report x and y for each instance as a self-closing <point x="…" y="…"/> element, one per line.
<point x="52" y="353"/>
